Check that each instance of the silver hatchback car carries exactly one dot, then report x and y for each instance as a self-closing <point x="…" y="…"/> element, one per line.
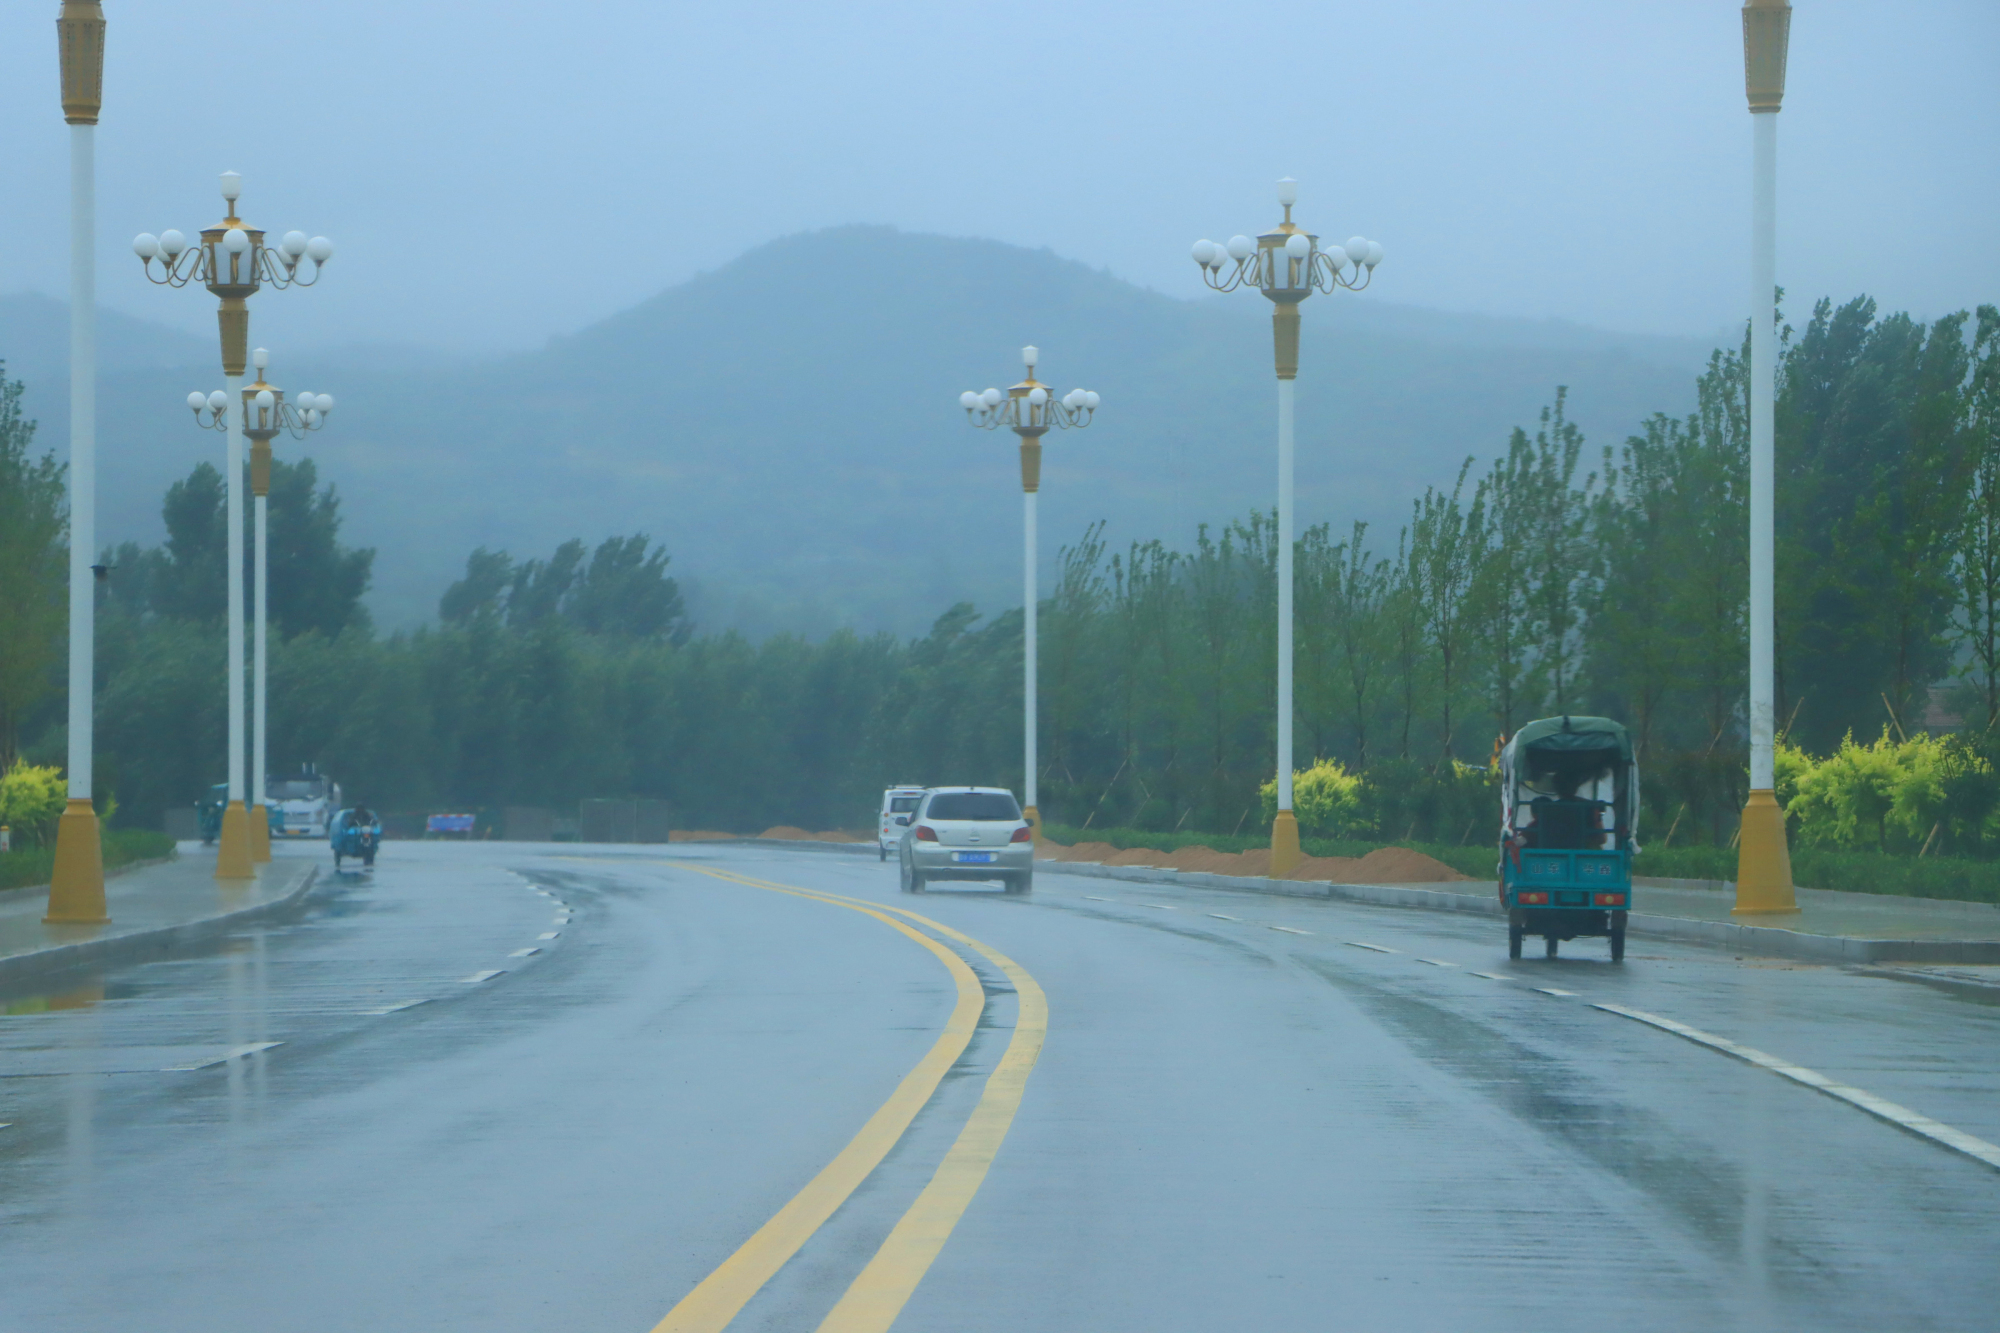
<point x="968" y="833"/>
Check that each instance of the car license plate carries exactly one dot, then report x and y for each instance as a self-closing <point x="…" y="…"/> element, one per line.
<point x="982" y="858"/>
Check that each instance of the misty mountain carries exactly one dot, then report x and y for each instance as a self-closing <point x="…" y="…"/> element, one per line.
<point x="788" y="426"/>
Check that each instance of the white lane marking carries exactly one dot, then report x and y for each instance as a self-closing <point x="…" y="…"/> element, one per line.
<point x="1437" y="962"/>
<point x="523" y="953"/>
<point x="6" y="1124"/>
<point x="1223" y="916"/>
<point x="1900" y="1116"/>
<point x="1162" y="906"/>
<point x="234" y="1053"/>
<point x="1490" y="976"/>
<point x="1288" y="930"/>
<point x="478" y="977"/>
<point x="549" y="935"/>
<point x="1094" y="898"/>
<point x="1551" y="990"/>
<point x="395" y="1008"/>
<point x="1372" y="948"/>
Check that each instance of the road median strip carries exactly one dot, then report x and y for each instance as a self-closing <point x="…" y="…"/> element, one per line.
<point x="900" y="1264"/>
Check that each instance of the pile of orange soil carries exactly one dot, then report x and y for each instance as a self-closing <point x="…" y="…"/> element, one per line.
<point x="1384" y="865"/>
<point x="1138" y="856"/>
<point x="1083" y="851"/>
<point x="786" y="833"/>
<point x="696" y="835"/>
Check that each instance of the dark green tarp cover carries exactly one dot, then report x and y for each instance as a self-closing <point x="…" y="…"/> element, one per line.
<point x="1571" y="734"/>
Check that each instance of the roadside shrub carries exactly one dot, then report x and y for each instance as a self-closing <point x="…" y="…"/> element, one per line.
<point x="1922" y="793"/>
<point x="31" y="803"/>
<point x="1328" y="801"/>
<point x="1454" y="804"/>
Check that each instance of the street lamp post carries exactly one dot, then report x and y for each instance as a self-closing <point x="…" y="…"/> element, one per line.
<point x="1763" y="862"/>
<point x="76" y="882"/>
<point x="1286" y="265"/>
<point x="1029" y="410"/>
<point x="233" y="262"/>
<point x="265" y="414"/>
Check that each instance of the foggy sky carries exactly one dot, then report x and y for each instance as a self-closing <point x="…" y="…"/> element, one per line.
<point x="494" y="173"/>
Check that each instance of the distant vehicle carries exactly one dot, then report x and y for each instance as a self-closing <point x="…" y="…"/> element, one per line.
<point x="302" y="807"/>
<point x="356" y="833"/>
<point x="898" y="804"/>
<point x="967" y="833"/>
<point x="208" y="813"/>
<point x="1569" y="805"/>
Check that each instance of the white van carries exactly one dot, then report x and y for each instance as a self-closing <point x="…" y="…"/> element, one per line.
<point x="898" y="804"/>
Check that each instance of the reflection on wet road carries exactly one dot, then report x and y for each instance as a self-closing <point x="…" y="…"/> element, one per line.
<point x="503" y="1087"/>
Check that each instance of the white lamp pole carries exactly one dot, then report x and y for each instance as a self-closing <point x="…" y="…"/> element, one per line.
<point x="76" y="883"/>
<point x="233" y="262"/>
<point x="1764" y="863"/>
<point x="264" y="413"/>
<point x="1287" y="266"/>
<point x="1028" y="411"/>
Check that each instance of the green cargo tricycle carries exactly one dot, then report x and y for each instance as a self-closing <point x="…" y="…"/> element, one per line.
<point x="1569" y="807"/>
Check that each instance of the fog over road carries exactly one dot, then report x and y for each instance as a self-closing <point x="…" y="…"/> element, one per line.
<point x="1240" y="1119"/>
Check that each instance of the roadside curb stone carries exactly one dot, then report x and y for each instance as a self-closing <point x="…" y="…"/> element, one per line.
<point x="136" y="945"/>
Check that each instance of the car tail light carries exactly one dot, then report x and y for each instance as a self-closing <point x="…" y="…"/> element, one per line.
<point x="925" y="833"/>
<point x="1610" y="900"/>
<point x="1023" y="834"/>
<point x="1532" y="897"/>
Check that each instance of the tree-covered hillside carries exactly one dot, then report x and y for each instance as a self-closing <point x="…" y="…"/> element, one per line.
<point x="788" y="423"/>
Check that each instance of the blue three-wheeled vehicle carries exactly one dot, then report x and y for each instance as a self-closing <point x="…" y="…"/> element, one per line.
<point x="1569" y="808"/>
<point x="357" y="833"/>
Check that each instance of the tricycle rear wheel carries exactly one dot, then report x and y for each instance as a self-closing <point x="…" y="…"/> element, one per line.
<point x="1514" y="937"/>
<point x="1618" y="944"/>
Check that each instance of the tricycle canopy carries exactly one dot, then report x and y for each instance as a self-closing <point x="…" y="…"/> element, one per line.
<point x="1568" y="782"/>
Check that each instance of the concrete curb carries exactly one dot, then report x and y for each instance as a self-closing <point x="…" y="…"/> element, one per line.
<point x="1765" y="941"/>
<point x="137" y="945"/>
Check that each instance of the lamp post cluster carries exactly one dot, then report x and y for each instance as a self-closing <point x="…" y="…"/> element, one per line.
<point x="264" y="414"/>
<point x="233" y="262"/>
<point x="1286" y="264"/>
<point x="1030" y="411"/>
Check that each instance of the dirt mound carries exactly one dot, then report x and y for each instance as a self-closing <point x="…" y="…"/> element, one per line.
<point x="1083" y="851"/>
<point x="1208" y="861"/>
<point x="786" y="833"/>
<point x="1140" y="856"/>
<point x="1328" y="869"/>
<point x="1384" y="865"/>
<point x="696" y="835"/>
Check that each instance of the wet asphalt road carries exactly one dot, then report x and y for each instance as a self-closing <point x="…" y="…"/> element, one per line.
<point x="1232" y="1126"/>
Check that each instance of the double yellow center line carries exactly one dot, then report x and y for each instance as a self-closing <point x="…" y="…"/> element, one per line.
<point x="876" y="1297"/>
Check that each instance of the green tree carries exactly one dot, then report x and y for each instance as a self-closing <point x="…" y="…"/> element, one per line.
<point x="1977" y="570"/>
<point x="1446" y="548"/>
<point x="1871" y="479"/>
<point x="34" y="553"/>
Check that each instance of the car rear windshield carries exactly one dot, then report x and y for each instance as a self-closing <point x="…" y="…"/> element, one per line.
<point x="992" y="805"/>
<point x="902" y="805"/>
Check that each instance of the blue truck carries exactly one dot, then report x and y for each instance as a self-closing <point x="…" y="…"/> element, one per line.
<point x="1569" y="794"/>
